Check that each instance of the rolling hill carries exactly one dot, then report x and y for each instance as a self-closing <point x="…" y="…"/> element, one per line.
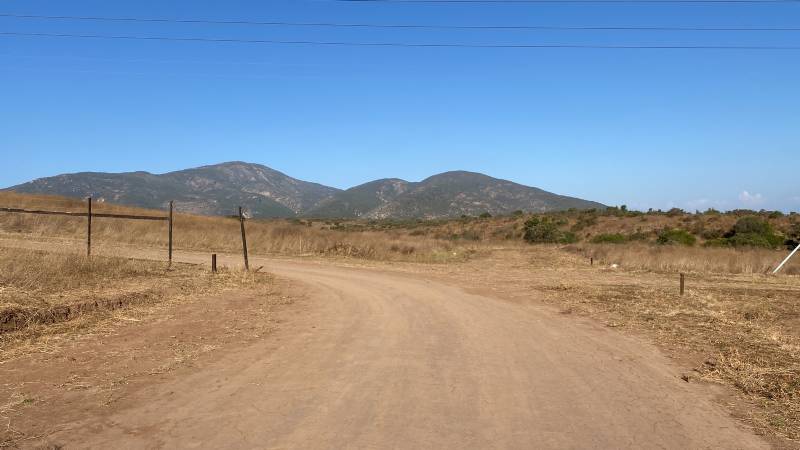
<point x="264" y="192"/>
<point x="212" y="190"/>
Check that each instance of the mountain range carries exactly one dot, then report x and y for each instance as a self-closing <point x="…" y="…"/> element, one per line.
<point x="218" y="190"/>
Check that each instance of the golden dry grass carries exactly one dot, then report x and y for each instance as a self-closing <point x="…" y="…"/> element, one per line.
<point x="669" y="258"/>
<point x="737" y="324"/>
<point x="585" y="225"/>
<point x="221" y="234"/>
<point x="41" y="289"/>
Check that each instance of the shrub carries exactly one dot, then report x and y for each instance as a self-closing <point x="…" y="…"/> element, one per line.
<point x="793" y="236"/>
<point x="751" y="225"/>
<point x="675" y="236"/>
<point x="545" y="231"/>
<point x="717" y="242"/>
<point x="750" y="231"/>
<point x="467" y="235"/>
<point x="755" y="240"/>
<point x="675" y="212"/>
<point x="639" y="235"/>
<point x="609" y="238"/>
<point x="712" y="234"/>
<point x="584" y="221"/>
<point x="794" y="230"/>
<point x="568" y="237"/>
<point x="485" y="215"/>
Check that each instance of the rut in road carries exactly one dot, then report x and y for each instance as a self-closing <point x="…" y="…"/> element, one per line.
<point x="376" y="359"/>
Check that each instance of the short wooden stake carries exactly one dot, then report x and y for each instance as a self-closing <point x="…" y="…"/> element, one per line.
<point x="244" y="240"/>
<point x="214" y="263"/>
<point x="170" y="233"/>
<point x="89" y="227"/>
<point x="591" y="261"/>
<point x="683" y="283"/>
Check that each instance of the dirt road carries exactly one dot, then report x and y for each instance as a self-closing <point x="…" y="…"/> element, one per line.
<point x="375" y="359"/>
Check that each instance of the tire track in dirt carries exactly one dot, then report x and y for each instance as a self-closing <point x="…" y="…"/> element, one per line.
<point x="379" y="359"/>
<point x="385" y="360"/>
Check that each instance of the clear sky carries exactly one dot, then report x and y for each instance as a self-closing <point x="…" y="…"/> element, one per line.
<point x="646" y="128"/>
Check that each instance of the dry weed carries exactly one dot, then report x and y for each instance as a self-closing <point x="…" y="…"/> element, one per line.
<point x="670" y="258"/>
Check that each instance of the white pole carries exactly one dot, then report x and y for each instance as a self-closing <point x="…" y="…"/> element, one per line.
<point x="787" y="259"/>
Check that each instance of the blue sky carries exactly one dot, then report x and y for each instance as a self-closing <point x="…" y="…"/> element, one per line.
<point x="646" y="128"/>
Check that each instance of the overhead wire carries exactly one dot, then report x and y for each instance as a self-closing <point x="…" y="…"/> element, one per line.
<point x="397" y="44"/>
<point x="392" y="25"/>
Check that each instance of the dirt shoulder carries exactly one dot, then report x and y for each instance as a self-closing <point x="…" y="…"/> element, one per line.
<point x="718" y="314"/>
<point x="377" y="358"/>
<point x="60" y="379"/>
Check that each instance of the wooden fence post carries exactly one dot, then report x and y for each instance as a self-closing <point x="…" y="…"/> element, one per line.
<point x="89" y="228"/>
<point x="170" y="233"/>
<point x="683" y="282"/>
<point x="591" y="261"/>
<point x="244" y="240"/>
<point x="213" y="263"/>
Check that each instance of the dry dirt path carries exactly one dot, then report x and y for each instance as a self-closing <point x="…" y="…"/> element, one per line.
<point x="377" y="359"/>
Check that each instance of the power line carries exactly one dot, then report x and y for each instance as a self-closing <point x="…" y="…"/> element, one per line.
<point x="403" y="44"/>
<point x="569" y="1"/>
<point x="394" y="26"/>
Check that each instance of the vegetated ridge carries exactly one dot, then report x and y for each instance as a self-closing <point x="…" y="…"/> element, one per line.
<point x="264" y="192"/>
<point x="209" y="190"/>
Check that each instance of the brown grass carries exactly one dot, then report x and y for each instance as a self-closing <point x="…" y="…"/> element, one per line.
<point x="222" y="234"/>
<point x="735" y="324"/>
<point x="41" y="289"/>
<point x="667" y="258"/>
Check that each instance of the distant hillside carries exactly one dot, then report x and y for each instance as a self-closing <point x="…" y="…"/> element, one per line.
<point x="212" y="190"/>
<point x="361" y="200"/>
<point x="264" y="192"/>
<point x="453" y="194"/>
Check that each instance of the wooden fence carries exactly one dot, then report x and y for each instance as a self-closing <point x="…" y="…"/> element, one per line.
<point x="90" y="215"/>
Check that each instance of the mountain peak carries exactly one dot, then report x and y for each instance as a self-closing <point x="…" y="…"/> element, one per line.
<point x="216" y="189"/>
<point x="265" y="192"/>
<point x="459" y="176"/>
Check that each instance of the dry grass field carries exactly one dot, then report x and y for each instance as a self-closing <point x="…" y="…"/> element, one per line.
<point x="46" y="293"/>
<point x="701" y="260"/>
<point x="221" y="234"/>
<point x="736" y="325"/>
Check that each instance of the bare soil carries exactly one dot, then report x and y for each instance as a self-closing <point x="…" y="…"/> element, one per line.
<point x="370" y="356"/>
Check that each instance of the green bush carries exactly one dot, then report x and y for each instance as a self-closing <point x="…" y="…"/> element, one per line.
<point x="675" y="212"/>
<point x="675" y="236"/>
<point x="568" y="237"/>
<point x="485" y="215"/>
<point x="712" y="234"/>
<point x="545" y="231"/>
<point x="751" y="225"/>
<point x="792" y="236"/>
<point x="750" y="231"/>
<point x="755" y="240"/>
<point x="584" y="221"/>
<point x="467" y="235"/>
<point x="717" y="242"/>
<point x="639" y="235"/>
<point x="609" y="238"/>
